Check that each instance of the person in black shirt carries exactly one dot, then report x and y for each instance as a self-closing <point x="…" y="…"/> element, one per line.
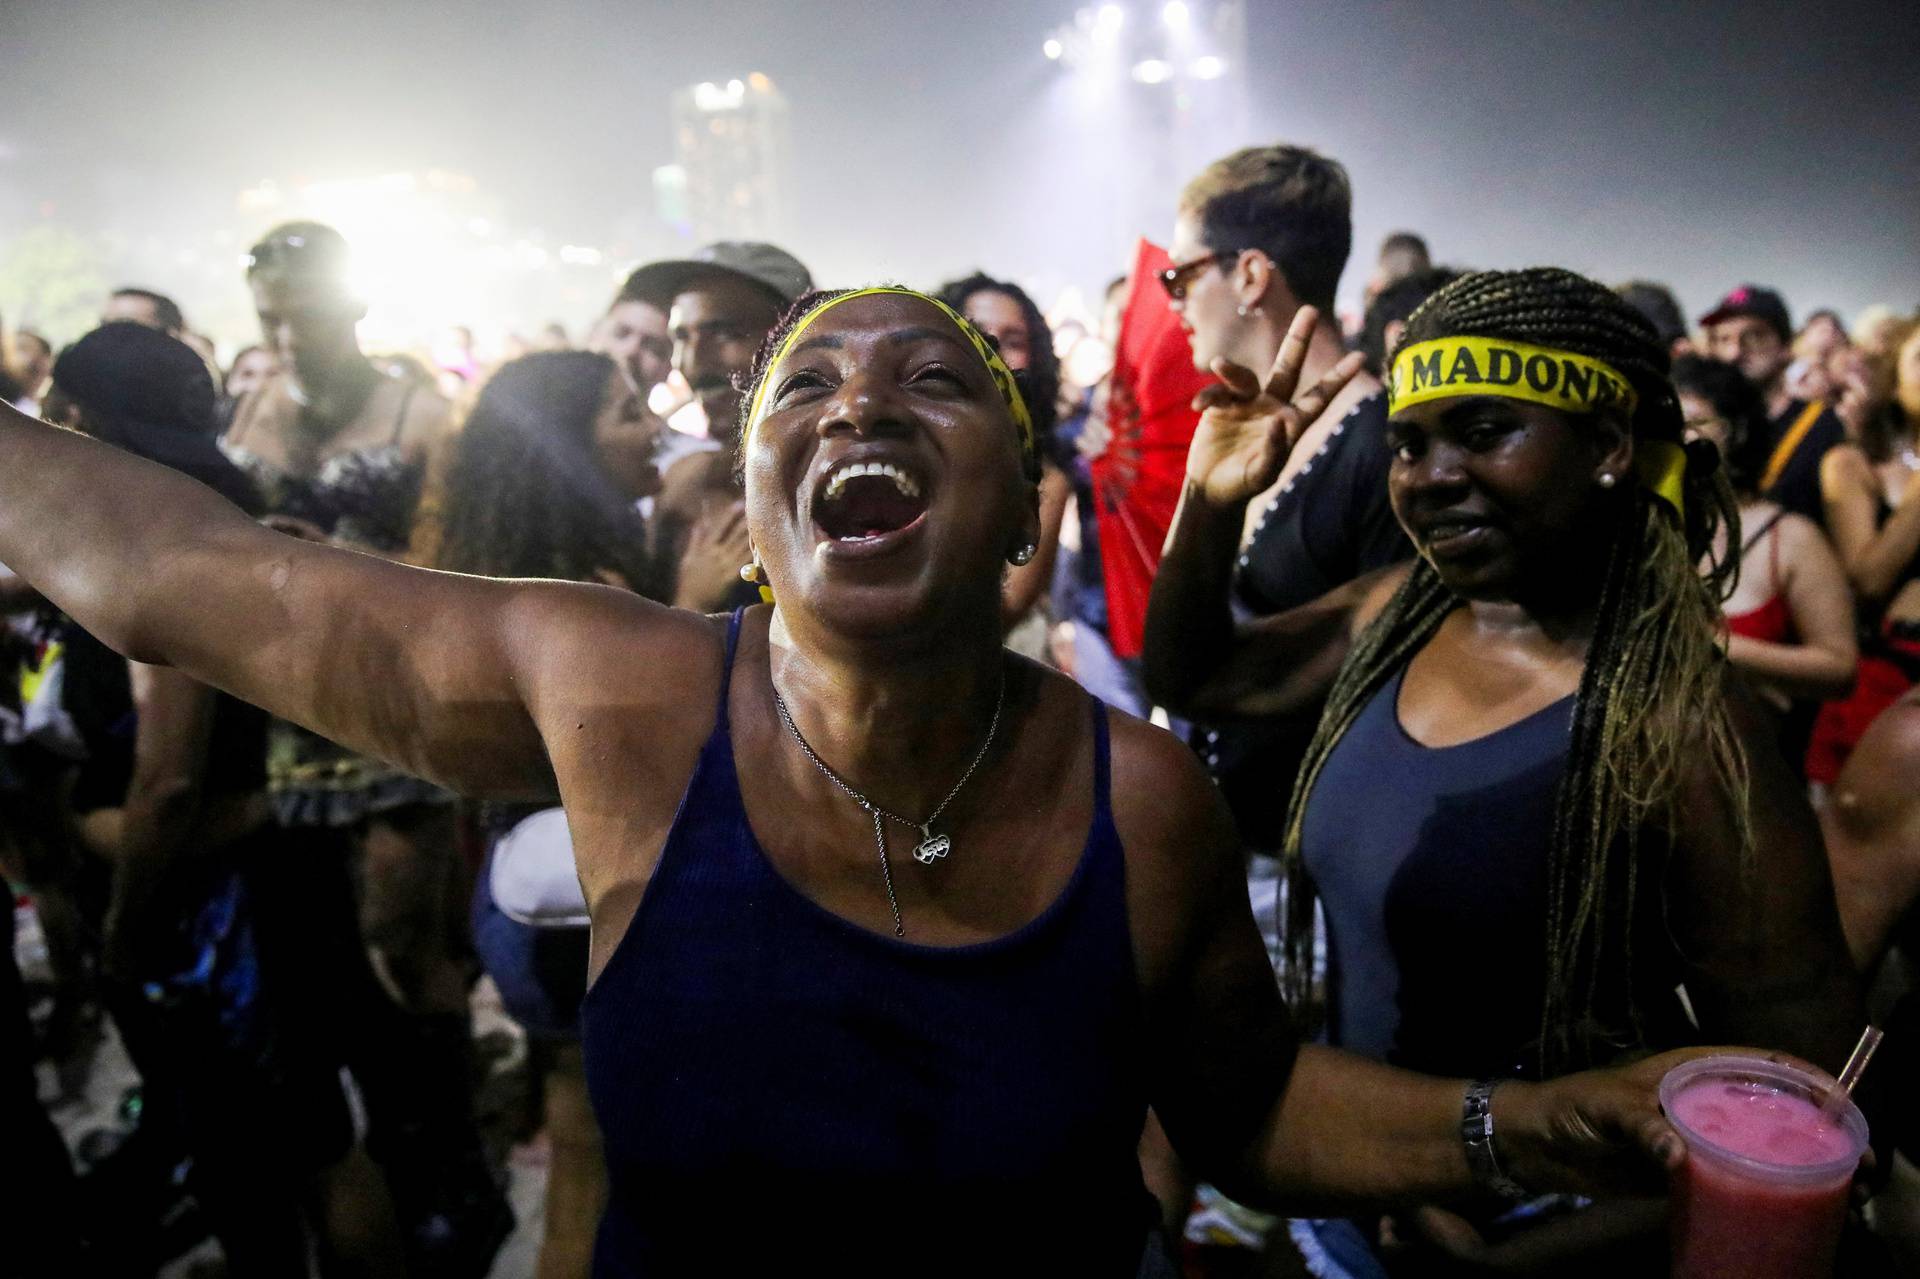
<point x="1750" y="328"/>
<point x="1261" y="233"/>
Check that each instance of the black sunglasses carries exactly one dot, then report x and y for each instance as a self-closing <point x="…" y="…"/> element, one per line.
<point x="1177" y="278"/>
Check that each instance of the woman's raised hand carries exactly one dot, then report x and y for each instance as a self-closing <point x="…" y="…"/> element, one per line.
<point x="1249" y="427"/>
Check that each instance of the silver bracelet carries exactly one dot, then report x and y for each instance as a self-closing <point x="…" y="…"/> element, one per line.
<point x="1476" y="1134"/>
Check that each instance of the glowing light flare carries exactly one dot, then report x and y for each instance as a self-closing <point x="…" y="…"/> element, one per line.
<point x="1107" y="23"/>
<point x="1175" y="15"/>
<point x="1208" y="68"/>
<point x="1152" y="71"/>
<point x="1053" y="49"/>
<point x="708" y="96"/>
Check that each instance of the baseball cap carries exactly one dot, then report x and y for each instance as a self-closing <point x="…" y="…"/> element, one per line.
<point x="770" y="267"/>
<point x="1761" y="304"/>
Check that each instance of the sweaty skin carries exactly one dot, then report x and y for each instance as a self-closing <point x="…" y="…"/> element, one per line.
<point x="716" y="324"/>
<point x="889" y="655"/>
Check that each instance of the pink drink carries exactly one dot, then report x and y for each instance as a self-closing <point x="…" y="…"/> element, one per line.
<point x="1764" y="1191"/>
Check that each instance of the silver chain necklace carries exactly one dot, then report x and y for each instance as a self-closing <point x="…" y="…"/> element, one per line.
<point x="931" y="847"/>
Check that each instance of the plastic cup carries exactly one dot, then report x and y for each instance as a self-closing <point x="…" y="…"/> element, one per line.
<point x="1763" y="1194"/>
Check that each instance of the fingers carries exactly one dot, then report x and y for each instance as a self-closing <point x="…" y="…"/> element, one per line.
<point x="1293" y="354"/>
<point x="1321" y="393"/>
<point x="1657" y="1137"/>
<point x="1452" y="1234"/>
<point x="1240" y="381"/>
<point x="1214" y="395"/>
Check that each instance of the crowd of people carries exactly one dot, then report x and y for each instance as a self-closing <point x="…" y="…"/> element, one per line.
<point x="1538" y="681"/>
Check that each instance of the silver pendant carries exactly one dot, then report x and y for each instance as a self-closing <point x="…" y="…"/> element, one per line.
<point x="932" y="848"/>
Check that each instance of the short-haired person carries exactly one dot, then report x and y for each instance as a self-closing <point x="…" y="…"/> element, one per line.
<point x="1387" y="314"/>
<point x="889" y="1030"/>
<point x="1002" y="310"/>
<point x="1535" y="803"/>
<point x="720" y="304"/>
<point x="347" y="452"/>
<point x="1750" y="329"/>
<point x="249" y="371"/>
<point x="1259" y="235"/>
<point x="1790" y="614"/>
<point x="634" y="333"/>
<point x="144" y="306"/>
<point x="30" y="364"/>
<point x="1402" y="253"/>
<point x="1657" y="305"/>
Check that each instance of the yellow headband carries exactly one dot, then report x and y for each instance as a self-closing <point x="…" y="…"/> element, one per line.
<point x="1662" y="466"/>
<point x="1453" y="366"/>
<point x="1461" y="366"/>
<point x="996" y="367"/>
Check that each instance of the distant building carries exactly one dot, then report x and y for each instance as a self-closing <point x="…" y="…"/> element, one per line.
<point x="731" y="146"/>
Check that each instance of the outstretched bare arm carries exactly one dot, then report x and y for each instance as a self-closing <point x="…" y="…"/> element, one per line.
<point x="434" y="672"/>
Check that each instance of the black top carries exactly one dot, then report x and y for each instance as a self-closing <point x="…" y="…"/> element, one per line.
<point x="1798" y="488"/>
<point x="1431" y="865"/>
<point x="884" y="1107"/>
<point x="1326" y="526"/>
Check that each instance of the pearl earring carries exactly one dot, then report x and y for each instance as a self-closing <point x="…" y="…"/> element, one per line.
<point x="1608" y="479"/>
<point x="1243" y="310"/>
<point x="1023" y="556"/>
<point x="750" y="572"/>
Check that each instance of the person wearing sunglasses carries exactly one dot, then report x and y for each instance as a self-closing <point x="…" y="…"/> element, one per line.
<point x="1260" y="234"/>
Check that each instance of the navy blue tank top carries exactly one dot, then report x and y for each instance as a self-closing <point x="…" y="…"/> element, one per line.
<point x="778" y="1086"/>
<point x="1431" y="867"/>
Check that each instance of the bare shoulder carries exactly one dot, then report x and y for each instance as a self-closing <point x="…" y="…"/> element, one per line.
<point x="1846" y="465"/>
<point x="1373" y="591"/>
<point x="1875" y="791"/>
<point x="1183" y="855"/>
<point x="585" y="645"/>
<point x="1796" y="530"/>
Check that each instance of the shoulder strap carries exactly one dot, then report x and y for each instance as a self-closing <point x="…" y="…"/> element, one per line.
<point x="726" y="671"/>
<point x="1789" y="442"/>
<point x="1102" y="762"/>
<point x="1753" y="539"/>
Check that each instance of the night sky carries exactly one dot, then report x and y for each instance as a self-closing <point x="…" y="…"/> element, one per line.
<point x="1700" y="144"/>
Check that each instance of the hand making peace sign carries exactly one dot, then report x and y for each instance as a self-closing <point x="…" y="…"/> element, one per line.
<point x="1248" y="428"/>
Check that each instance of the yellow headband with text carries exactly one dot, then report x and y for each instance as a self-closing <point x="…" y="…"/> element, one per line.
<point x="996" y="367"/>
<point x="1463" y="366"/>
<point x="1492" y="366"/>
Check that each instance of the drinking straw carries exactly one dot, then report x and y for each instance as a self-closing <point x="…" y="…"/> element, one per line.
<point x="1855" y="1067"/>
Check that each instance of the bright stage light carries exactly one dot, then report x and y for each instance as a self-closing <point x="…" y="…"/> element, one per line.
<point x="1175" y="14"/>
<point x="1112" y="17"/>
<point x="1053" y="49"/>
<point x="1152" y="71"/>
<point x="1208" y="68"/>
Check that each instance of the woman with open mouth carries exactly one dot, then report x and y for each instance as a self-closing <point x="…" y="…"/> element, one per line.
<point x="1545" y="826"/>
<point x="893" y="933"/>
